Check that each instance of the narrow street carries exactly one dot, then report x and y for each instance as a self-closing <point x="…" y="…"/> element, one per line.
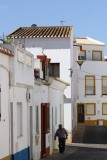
<point x="80" y="153"/>
<point x="94" y="146"/>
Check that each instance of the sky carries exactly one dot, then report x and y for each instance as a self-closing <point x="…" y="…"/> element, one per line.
<point x="88" y="17"/>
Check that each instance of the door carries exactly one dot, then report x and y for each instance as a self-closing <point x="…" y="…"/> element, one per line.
<point x="80" y="113"/>
<point x="30" y="131"/>
<point x="43" y="130"/>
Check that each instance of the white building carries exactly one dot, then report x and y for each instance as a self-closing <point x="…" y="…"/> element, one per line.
<point x="89" y="92"/>
<point x="49" y="108"/>
<point x="33" y="105"/>
<point x="15" y="103"/>
<point x="57" y="43"/>
<point x="21" y="102"/>
<point x="4" y="103"/>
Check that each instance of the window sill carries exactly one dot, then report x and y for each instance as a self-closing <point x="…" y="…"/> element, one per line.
<point x="90" y="95"/>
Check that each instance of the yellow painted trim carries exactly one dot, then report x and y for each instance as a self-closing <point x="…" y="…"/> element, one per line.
<point x="94" y="84"/>
<point x="103" y="109"/>
<point x="105" y="122"/>
<point x="6" y="158"/>
<point x="86" y="109"/>
<point x="91" y="122"/>
<point x="97" y="51"/>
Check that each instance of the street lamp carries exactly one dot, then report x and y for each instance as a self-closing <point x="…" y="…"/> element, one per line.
<point x="80" y="62"/>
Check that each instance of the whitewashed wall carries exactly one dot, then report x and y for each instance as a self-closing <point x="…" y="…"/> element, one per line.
<point x="59" y="50"/>
<point x="56" y="96"/>
<point x="18" y="94"/>
<point x="23" y="63"/>
<point x="37" y="136"/>
<point x="4" y="122"/>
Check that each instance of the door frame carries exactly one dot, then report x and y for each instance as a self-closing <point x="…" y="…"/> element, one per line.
<point x="31" y="130"/>
<point x="43" y="130"/>
<point x="83" y="113"/>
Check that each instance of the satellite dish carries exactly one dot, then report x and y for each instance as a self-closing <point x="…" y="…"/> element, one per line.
<point x="33" y="25"/>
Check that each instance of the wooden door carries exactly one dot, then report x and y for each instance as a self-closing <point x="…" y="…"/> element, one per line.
<point x="43" y="130"/>
<point x="80" y="113"/>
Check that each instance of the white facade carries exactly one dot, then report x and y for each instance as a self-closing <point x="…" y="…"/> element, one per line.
<point x="4" y="106"/>
<point x="87" y="92"/>
<point x="22" y="83"/>
<point x="22" y="104"/>
<point x="16" y="66"/>
<point x="59" y="50"/>
<point x="50" y="94"/>
<point x="56" y="94"/>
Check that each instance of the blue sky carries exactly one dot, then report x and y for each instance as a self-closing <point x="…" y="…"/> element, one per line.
<point x="88" y="17"/>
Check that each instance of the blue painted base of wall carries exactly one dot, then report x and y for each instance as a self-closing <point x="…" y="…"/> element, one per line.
<point x="22" y="155"/>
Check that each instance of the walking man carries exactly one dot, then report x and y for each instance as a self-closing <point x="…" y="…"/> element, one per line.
<point x="62" y="135"/>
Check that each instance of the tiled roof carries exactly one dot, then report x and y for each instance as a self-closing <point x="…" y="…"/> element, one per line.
<point x="88" y="41"/>
<point x="6" y="51"/>
<point x="33" y="32"/>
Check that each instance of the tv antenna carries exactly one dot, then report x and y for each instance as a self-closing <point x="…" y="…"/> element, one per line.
<point x="62" y="22"/>
<point x="44" y="48"/>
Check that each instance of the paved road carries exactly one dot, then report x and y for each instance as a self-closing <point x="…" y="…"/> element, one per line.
<point x="88" y="154"/>
<point x="80" y="153"/>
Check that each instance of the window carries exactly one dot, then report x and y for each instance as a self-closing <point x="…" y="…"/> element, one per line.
<point x="89" y="85"/>
<point x="37" y="120"/>
<point x="82" y="55"/>
<point x="104" y="108"/>
<point x="97" y="55"/>
<point x="0" y="103"/>
<point x="19" y="119"/>
<point x="90" y="109"/>
<point x="54" y="70"/>
<point x="36" y="73"/>
<point x="104" y="85"/>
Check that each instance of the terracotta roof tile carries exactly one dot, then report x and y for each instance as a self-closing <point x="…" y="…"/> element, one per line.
<point x="6" y="51"/>
<point x="53" y="31"/>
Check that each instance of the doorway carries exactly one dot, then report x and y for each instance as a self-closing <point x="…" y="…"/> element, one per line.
<point x="31" y="129"/>
<point x="80" y="113"/>
<point x="43" y="130"/>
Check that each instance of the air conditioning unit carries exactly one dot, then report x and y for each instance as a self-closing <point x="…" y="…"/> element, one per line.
<point x="81" y="57"/>
<point x="36" y="73"/>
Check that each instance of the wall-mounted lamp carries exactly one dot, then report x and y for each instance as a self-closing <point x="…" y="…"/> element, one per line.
<point x="71" y="72"/>
<point x="80" y="62"/>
